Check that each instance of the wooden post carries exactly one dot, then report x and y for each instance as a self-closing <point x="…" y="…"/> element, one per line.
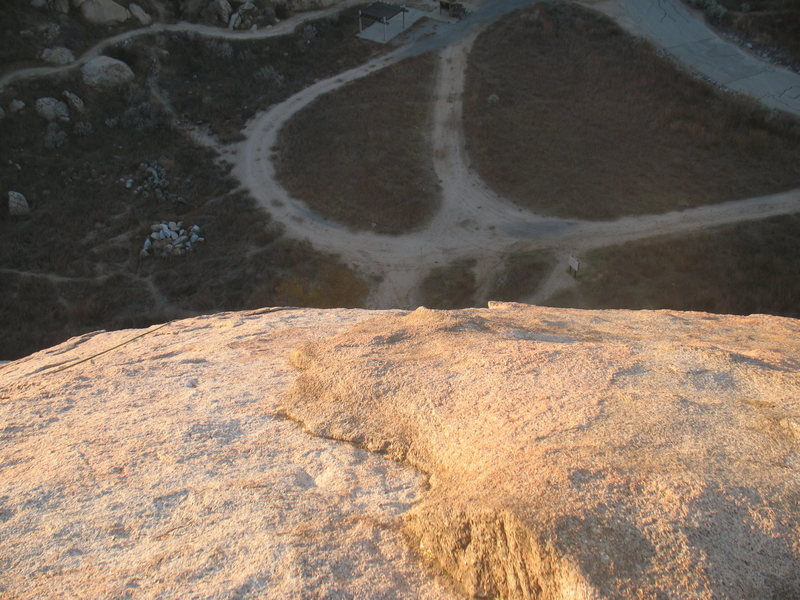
<point x="574" y="265"/>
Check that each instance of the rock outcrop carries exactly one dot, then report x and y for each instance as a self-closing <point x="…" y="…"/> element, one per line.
<point x="570" y="454"/>
<point x="161" y="467"/>
<point x="581" y="454"/>
<point x="105" y="72"/>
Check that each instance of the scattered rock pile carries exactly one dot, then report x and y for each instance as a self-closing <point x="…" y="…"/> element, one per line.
<point x="249" y="15"/>
<point x="51" y="109"/>
<point x="171" y="239"/>
<point x="155" y="181"/>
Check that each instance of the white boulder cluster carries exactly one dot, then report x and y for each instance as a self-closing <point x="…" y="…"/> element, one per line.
<point x="171" y="239"/>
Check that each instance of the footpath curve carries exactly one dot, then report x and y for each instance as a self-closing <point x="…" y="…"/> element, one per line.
<point x="473" y="221"/>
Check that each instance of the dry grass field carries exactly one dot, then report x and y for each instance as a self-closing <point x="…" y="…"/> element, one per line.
<point x="449" y="287"/>
<point x="749" y="268"/>
<point x="520" y="275"/>
<point x="361" y="155"/>
<point x="73" y="265"/>
<point x="567" y="115"/>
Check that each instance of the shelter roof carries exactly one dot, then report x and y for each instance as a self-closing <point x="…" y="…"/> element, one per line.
<point x="382" y="10"/>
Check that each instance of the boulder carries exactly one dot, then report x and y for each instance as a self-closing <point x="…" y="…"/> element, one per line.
<point x="51" y="109"/>
<point x="580" y="454"/>
<point x="18" y="205"/>
<point x="57" y="56"/>
<point x="54" y="136"/>
<point x="104" y="12"/>
<point x="15" y="106"/>
<point x="248" y="13"/>
<point x="140" y="14"/>
<point x="74" y="101"/>
<point x="105" y="72"/>
<point x="221" y="9"/>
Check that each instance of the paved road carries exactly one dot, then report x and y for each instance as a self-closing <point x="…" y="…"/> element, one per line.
<point x="670" y="25"/>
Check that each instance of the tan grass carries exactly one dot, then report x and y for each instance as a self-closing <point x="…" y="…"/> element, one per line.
<point x="593" y="123"/>
<point x="449" y="287"/>
<point x="744" y="269"/>
<point x="361" y="155"/>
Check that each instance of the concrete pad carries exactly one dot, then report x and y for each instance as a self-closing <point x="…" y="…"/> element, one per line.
<point x="719" y="60"/>
<point x="377" y="32"/>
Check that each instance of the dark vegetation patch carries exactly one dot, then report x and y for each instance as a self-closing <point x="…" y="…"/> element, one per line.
<point x="361" y="155"/>
<point x="749" y="268"/>
<point x="225" y="82"/>
<point x="520" y="275"/>
<point x="73" y="265"/>
<point x="772" y="26"/>
<point x="567" y="115"/>
<point x="449" y="287"/>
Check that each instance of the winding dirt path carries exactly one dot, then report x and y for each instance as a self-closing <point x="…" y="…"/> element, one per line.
<point x="473" y="221"/>
<point x="282" y="28"/>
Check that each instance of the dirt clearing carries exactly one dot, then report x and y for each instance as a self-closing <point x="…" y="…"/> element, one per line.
<point x="567" y="115"/>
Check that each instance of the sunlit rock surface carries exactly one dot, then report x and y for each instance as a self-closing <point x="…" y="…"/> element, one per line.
<point x="581" y="454"/>
<point x="542" y="453"/>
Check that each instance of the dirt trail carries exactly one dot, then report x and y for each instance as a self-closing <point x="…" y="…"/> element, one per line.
<point x="282" y="28"/>
<point x="473" y="221"/>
